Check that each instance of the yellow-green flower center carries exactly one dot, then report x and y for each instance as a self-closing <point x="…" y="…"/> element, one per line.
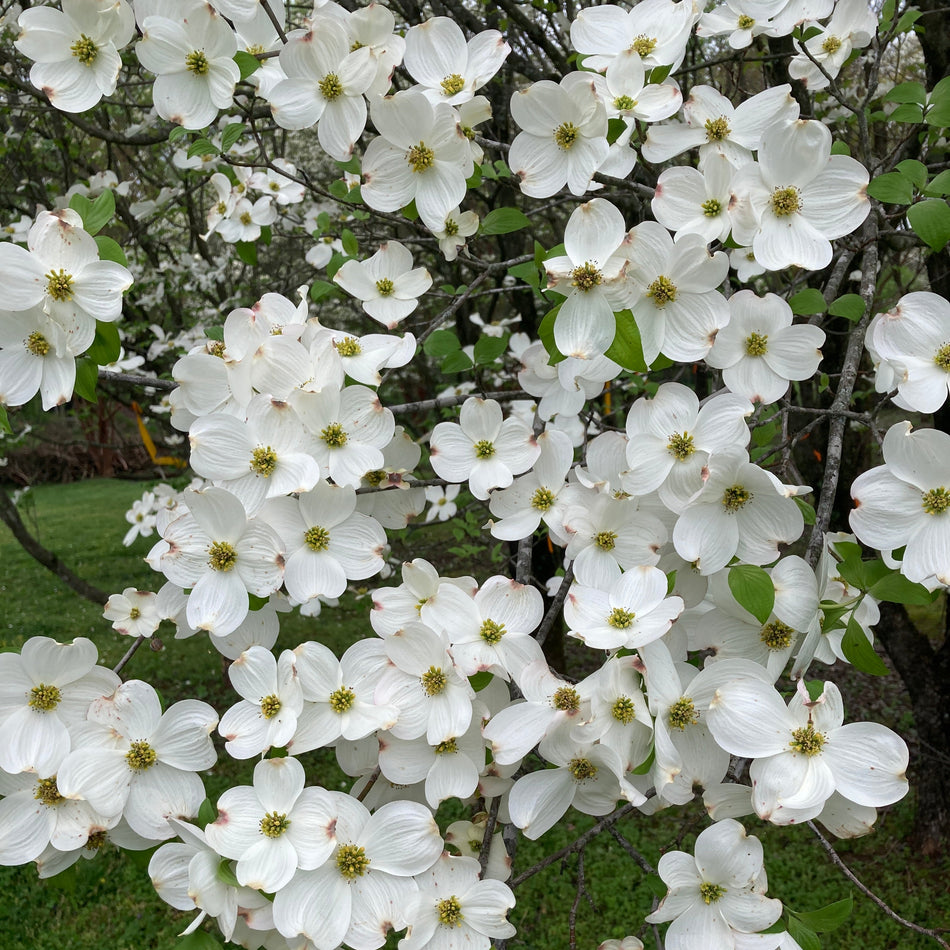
<point x="566" y="135"/>
<point x="542" y="499"/>
<point x="47" y="792"/>
<point x="624" y="103"/>
<point x="263" y="461"/>
<point x="385" y="287"/>
<point x="643" y="45"/>
<point x="135" y="613"/>
<point x="351" y="861"/>
<point x="936" y="501"/>
<point x="420" y="158"/>
<point x="59" y="285"/>
<point x="349" y="346"/>
<point x="712" y="208"/>
<point x="566" y="698"/>
<point x="777" y="635"/>
<point x="270" y="706"/>
<point x="452" y="84"/>
<point x="330" y="87"/>
<point x="606" y="540"/>
<point x="96" y="840"/>
<point x="492" y="632"/>
<point x="623" y="710"/>
<point x="735" y="498"/>
<point x="450" y="912"/>
<point x="680" y="446"/>
<point x="620" y="618"/>
<point x="582" y="769"/>
<point x="43" y="698"/>
<point x="683" y="713"/>
<point x="37" y="344"/>
<point x="717" y="129"/>
<point x="484" y="449"/>
<point x="831" y="45"/>
<point x="334" y="435"/>
<point x="745" y="22"/>
<point x="216" y="348"/>
<point x="273" y="825"/>
<point x="662" y="290"/>
<point x="433" y="681"/>
<point x="342" y="699"/>
<point x="942" y="357"/>
<point x="711" y="893"/>
<point x="246" y="218"/>
<point x="221" y="556"/>
<point x="141" y="756"/>
<point x="786" y="201"/>
<point x="317" y="538"/>
<point x="807" y="741"/>
<point x="85" y="50"/>
<point x="448" y="747"/>
<point x="451" y="227"/>
<point x="196" y="62"/>
<point x="586" y="277"/>
<point x="757" y="344"/>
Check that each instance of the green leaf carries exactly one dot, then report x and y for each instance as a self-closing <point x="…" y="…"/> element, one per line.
<point x="247" y="252"/>
<point x="807" y="939"/>
<point x="489" y="348"/>
<point x="892" y="188"/>
<point x="899" y="590"/>
<point x="502" y="169"/>
<point x="338" y="189"/>
<point x="202" y="146"/>
<point x="206" y="813"/>
<point x="930" y="220"/>
<point x="849" y="306"/>
<point x="109" y="250"/>
<point x="831" y="615"/>
<point x="907" y="92"/>
<point x="226" y="873"/>
<point x="456" y="362"/>
<point x="179" y="132"/>
<point x="475" y="181"/>
<point x="815" y="689"/>
<point x="858" y="650"/>
<point x="840" y="148"/>
<point x="410" y="213"/>
<point x="909" y="112"/>
<point x="105" y="346"/>
<point x="231" y="134"/>
<point x="215" y="333"/>
<point x="656" y="885"/>
<point x="503" y="221"/>
<point x="441" y="343"/>
<point x="202" y="940"/>
<point x="808" y="301"/>
<point x="847" y="550"/>
<point x="914" y="171"/>
<point x="95" y="214"/>
<point x="320" y="289"/>
<point x="4" y="420"/>
<point x="752" y="589"/>
<point x="670" y="582"/>
<point x="808" y="512"/>
<point x="247" y="63"/>
<point x="829" y="917"/>
<point x="351" y="165"/>
<point x="528" y="273"/>
<point x="887" y="11"/>
<point x="626" y="349"/>
<point x="350" y="244"/>
<point x="908" y="18"/>
<point x="939" y="186"/>
<point x="87" y="373"/>
<point x="480" y="680"/>
<point x="659" y="73"/>
<point x="615" y="128"/>
<point x="546" y="336"/>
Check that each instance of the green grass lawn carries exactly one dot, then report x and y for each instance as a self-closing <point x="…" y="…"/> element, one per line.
<point x="110" y="905"/>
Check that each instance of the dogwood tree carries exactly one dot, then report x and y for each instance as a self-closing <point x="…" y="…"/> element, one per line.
<point x="627" y="260"/>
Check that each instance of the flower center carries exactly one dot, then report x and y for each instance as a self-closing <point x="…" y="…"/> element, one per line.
<point x="385" y="287"/>
<point x="717" y="129"/>
<point x="85" y="50"/>
<point x="351" y="861"/>
<point x="452" y="84"/>
<point x="586" y="277"/>
<point x="582" y="769"/>
<point x="606" y="540"/>
<point x="484" y="449"/>
<point x="331" y="87"/>
<point x="135" y="613"/>
<point x="270" y="706"/>
<point x="735" y="498"/>
<point x="141" y="756"/>
<point x="566" y="135"/>
<point x="349" y="346"/>
<point x="216" y="348"/>
<point x="542" y="499"/>
<point x="43" y="698"/>
<point x="712" y="208"/>
<point x="680" y="446"/>
<point x="433" y="681"/>
<point x="683" y="713"/>
<point x="221" y="556"/>
<point x="451" y="227"/>
<point x="317" y="538"/>
<point x="96" y="840"/>
<point x="448" y="747"/>
<point x="334" y="435"/>
<point x="786" y="201"/>
<point x="662" y="290"/>
<point x="807" y="741"/>
<point x="831" y="45"/>
<point x="450" y="910"/>
<point x="246" y="218"/>
<point x="620" y="618"/>
<point x="936" y="501"/>
<point x="263" y="461"/>
<point x="342" y="699"/>
<point x="196" y="62"/>
<point x="492" y="632"/>
<point x="643" y="45"/>
<point x="624" y="103"/>
<point x="420" y="158"/>
<point x="47" y="792"/>
<point x="757" y="344"/>
<point x="37" y="344"/>
<point x="710" y="893"/>
<point x="745" y="22"/>
<point x="623" y="710"/>
<point x="777" y="635"/>
<point x="59" y="285"/>
<point x="942" y="357"/>
<point x="273" y="825"/>
<point x="566" y="698"/>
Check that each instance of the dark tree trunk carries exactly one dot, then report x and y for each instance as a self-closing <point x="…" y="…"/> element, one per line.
<point x="925" y="671"/>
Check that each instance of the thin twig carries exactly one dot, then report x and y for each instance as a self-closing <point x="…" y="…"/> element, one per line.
<point x="555" y="609"/>
<point x="489" y="831"/>
<point x="372" y="781"/>
<point x="132" y="650"/>
<point x="137" y="379"/>
<point x="444" y="402"/>
<point x="632" y="851"/>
